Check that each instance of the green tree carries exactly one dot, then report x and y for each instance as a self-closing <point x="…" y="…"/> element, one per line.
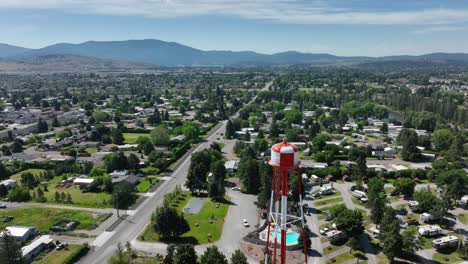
<point x="238" y="257"/>
<point x="442" y="139"/>
<point x="390" y="236"/>
<point x="119" y="256"/>
<point x="169" y="258"/>
<point x="216" y="181"/>
<point x="304" y="236"/>
<point x="350" y="222"/>
<point x="117" y="137"/>
<point x="405" y="186"/>
<point x="190" y="131"/>
<point x="133" y="162"/>
<point x="411" y="241"/>
<point x="248" y="173"/>
<point x="123" y="195"/>
<point x="212" y="255"/>
<point x="42" y="126"/>
<point x="168" y="223"/>
<point x="185" y="254"/>
<point x="409" y="140"/>
<point x="425" y="199"/>
<point x="160" y="136"/>
<point x="353" y="244"/>
<point x="230" y="130"/>
<point x="10" y="250"/>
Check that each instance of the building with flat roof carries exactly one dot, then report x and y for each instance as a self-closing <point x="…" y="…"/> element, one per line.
<point x="21" y="233"/>
<point x="42" y="243"/>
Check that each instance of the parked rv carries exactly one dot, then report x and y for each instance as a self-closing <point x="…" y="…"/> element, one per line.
<point x="429" y="230"/>
<point x="326" y="190"/>
<point x="360" y="195"/>
<point x="445" y="242"/>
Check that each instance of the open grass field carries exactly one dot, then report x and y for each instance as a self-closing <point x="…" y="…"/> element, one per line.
<point x="35" y="172"/>
<point x="200" y="225"/>
<point x="463" y="218"/>
<point x="89" y="199"/>
<point x="146" y="183"/>
<point x="328" y="201"/>
<point x="446" y="258"/>
<point x="91" y="150"/>
<point x="43" y="218"/>
<point x="58" y="256"/>
<point x="131" y="138"/>
<point x="329" y="249"/>
<point x="345" y="257"/>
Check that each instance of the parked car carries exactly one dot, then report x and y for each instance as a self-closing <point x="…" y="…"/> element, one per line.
<point x="8" y="219"/>
<point x="324" y="231"/>
<point x="402" y="211"/>
<point x="3" y="206"/>
<point x="235" y="188"/>
<point x="317" y="194"/>
<point x="245" y="223"/>
<point x="6" y="199"/>
<point x="412" y="222"/>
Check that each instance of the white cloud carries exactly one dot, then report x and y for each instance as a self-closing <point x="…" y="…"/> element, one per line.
<point x="287" y="11"/>
<point x="438" y="29"/>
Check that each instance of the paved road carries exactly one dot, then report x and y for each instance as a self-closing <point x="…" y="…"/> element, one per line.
<point x="105" y="244"/>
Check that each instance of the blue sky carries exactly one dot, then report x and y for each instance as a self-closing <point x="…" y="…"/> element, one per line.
<point x="341" y="27"/>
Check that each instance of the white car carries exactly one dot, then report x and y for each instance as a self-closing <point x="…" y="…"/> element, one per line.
<point x="3" y="206"/>
<point x="235" y="188"/>
<point x="245" y="223"/>
<point x="324" y="231"/>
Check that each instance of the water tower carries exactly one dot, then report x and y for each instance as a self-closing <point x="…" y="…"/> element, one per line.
<point x="284" y="159"/>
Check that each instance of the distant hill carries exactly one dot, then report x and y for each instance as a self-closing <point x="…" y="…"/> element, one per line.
<point x="68" y="63"/>
<point x="151" y="51"/>
<point x="9" y="50"/>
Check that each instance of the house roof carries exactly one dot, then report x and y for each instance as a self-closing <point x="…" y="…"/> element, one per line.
<point x="45" y="239"/>
<point x="19" y="231"/>
<point x="83" y="180"/>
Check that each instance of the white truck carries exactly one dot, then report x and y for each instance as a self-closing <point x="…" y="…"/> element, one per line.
<point x="445" y="242"/>
<point x="429" y="230"/>
<point x="464" y="200"/>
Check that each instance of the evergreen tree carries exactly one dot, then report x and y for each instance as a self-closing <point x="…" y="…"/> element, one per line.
<point x="185" y="254"/>
<point x="10" y="250"/>
<point x="212" y="255"/>
<point x="168" y="223"/>
<point x="230" y="130"/>
<point x="169" y="259"/>
<point x="55" y="122"/>
<point x="117" y="137"/>
<point x="390" y="235"/>
<point x="238" y="257"/>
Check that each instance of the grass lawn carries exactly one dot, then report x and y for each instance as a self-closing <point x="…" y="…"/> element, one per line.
<point x="145" y="183"/>
<point x="426" y="243"/>
<point x="329" y="249"/>
<point x="323" y="209"/>
<point x="44" y="218"/>
<point x="89" y="199"/>
<point x="131" y="138"/>
<point x="463" y="217"/>
<point x="91" y="150"/>
<point x="58" y="256"/>
<point x="200" y="225"/>
<point x="447" y="258"/>
<point x="329" y="201"/>
<point x="357" y="202"/>
<point x="35" y="172"/>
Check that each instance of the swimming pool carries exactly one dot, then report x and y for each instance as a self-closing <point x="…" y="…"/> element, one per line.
<point x="291" y="237"/>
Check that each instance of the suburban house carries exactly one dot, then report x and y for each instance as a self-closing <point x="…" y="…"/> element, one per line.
<point x="84" y="181"/>
<point x="21" y="233"/>
<point x="231" y="165"/>
<point x="36" y="247"/>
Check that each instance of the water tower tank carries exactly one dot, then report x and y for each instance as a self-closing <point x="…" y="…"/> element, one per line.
<point x="285" y="155"/>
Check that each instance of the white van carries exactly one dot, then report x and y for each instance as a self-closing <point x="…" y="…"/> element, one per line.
<point x="464" y="200"/>
<point x="429" y="230"/>
<point x="445" y="242"/>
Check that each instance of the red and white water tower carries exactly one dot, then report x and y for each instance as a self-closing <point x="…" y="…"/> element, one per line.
<point x="284" y="159"/>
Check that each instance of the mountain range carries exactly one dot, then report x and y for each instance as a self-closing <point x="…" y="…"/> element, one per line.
<point x="150" y="52"/>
